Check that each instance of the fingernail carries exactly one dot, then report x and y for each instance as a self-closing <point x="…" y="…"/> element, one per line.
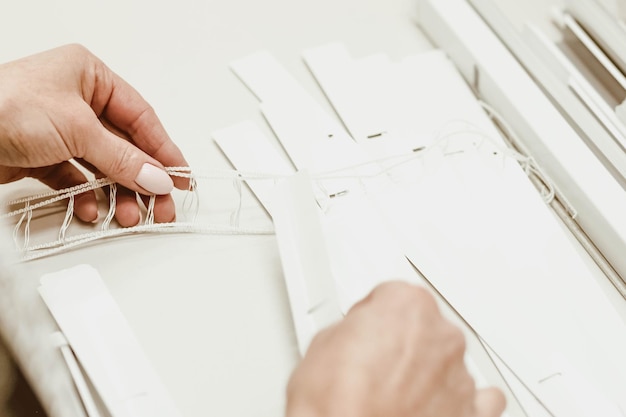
<point x="97" y="219"/>
<point x="154" y="180"/>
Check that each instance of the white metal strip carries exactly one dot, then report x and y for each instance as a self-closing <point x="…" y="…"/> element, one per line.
<point x="104" y="344"/>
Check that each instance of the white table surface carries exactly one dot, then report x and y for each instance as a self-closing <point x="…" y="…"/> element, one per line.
<point x="210" y="311"/>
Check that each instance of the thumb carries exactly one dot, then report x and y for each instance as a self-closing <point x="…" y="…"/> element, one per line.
<point x="489" y="402"/>
<point x="126" y="164"/>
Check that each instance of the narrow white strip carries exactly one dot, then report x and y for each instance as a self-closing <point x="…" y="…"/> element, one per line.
<point x="79" y="379"/>
<point x="303" y="252"/>
<point x="569" y="22"/>
<point x="104" y="343"/>
<point x="579" y="84"/>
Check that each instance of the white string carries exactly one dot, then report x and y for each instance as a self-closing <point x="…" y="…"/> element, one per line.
<point x="59" y="195"/>
<point x="54" y="196"/>
<point x="29" y="217"/>
<point x="16" y="229"/>
<point x="221" y="174"/>
<point x="234" y="217"/>
<point x="106" y="223"/>
<point x="186" y="172"/>
<point x="532" y="166"/>
<point x="150" y="211"/>
<point x="51" y="248"/>
<point x="442" y="143"/>
<point x="69" y="215"/>
<point x="99" y="183"/>
<point x="192" y="200"/>
<point x="527" y="163"/>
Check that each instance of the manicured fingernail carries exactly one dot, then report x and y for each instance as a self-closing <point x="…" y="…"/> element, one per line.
<point x="97" y="219"/>
<point x="154" y="180"/>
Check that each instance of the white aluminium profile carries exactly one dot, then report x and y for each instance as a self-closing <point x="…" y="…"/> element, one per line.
<point x="571" y="76"/>
<point x="605" y="28"/>
<point x="597" y="197"/>
<point x="565" y="20"/>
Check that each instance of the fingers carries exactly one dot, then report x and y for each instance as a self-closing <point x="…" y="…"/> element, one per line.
<point x="438" y="348"/>
<point x="123" y="162"/>
<point x="394" y="354"/>
<point x="121" y="105"/>
<point x="164" y="211"/>
<point x="127" y="211"/>
<point x="66" y="175"/>
<point x="127" y="206"/>
<point x="103" y="121"/>
<point x="489" y="402"/>
<point x="398" y="294"/>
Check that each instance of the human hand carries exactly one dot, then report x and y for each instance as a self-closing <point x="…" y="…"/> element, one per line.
<point x="393" y="355"/>
<point x="65" y="104"/>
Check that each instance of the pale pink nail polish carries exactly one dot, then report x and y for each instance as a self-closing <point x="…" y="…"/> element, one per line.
<point x="154" y="180"/>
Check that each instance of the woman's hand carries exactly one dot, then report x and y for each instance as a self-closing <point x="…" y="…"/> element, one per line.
<point x="66" y="105"/>
<point x="393" y="355"/>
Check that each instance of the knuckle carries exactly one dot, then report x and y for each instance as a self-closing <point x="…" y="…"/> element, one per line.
<point x="467" y="387"/>
<point x="77" y="50"/>
<point x="455" y="341"/>
<point x="324" y="336"/>
<point x="417" y="300"/>
<point x="75" y="129"/>
<point x="143" y="122"/>
<point x="420" y="295"/>
<point x="76" y="53"/>
<point x="404" y="300"/>
<point x="121" y="166"/>
<point x="87" y="66"/>
<point x="401" y="291"/>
